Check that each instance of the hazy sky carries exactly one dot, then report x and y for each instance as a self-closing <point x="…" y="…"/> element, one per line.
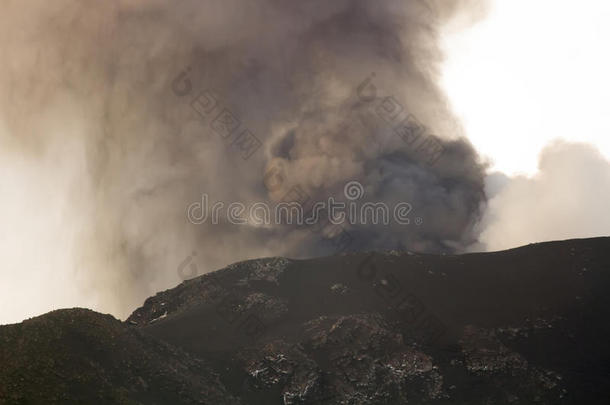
<point x="530" y="83"/>
<point x="531" y="71"/>
<point x="99" y="159"/>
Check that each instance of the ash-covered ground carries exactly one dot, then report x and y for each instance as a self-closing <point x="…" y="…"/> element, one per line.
<point x="523" y="326"/>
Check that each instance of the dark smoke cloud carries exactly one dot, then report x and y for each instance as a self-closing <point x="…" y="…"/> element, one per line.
<point x="86" y="99"/>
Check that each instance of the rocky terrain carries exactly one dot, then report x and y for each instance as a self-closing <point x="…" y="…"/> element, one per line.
<point x="523" y="326"/>
<point x="80" y="356"/>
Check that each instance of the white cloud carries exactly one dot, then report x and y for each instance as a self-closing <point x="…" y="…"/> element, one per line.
<point x="568" y="198"/>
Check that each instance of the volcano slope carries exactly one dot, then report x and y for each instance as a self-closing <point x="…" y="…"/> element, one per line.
<point x="523" y="326"/>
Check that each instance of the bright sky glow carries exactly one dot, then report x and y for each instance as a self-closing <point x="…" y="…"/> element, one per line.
<point x="530" y="72"/>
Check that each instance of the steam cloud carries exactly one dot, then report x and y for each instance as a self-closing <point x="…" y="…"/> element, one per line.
<point x="567" y="198"/>
<point x="101" y="156"/>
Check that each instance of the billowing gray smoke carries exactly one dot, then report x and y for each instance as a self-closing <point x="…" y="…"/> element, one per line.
<point x="117" y="107"/>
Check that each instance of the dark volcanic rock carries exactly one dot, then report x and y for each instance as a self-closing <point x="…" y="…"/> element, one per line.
<point x="524" y="326"/>
<point x="80" y="356"/>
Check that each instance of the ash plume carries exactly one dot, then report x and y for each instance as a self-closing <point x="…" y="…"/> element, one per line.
<point x="102" y="148"/>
